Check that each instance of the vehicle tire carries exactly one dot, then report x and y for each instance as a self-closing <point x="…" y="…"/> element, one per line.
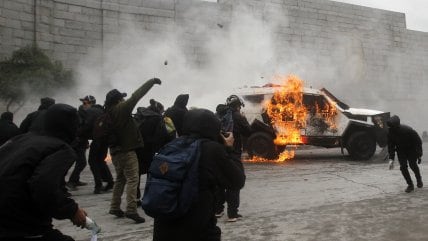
<point x="361" y="145"/>
<point x="261" y="144"/>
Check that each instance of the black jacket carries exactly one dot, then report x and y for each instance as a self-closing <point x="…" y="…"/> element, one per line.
<point x="30" y="184"/>
<point x="7" y="130"/>
<point x="35" y="120"/>
<point x="32" y="170"/>
<point x="217" y="168"/>
<point x="405" y="141"/>
<point x="241" y="128"/>
<point x="87" y="121"/>
<point x="177" y="112"/>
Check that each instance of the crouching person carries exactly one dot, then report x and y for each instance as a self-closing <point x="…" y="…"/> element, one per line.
<point x="32" y="170"/>
<point x="216" y="167"/>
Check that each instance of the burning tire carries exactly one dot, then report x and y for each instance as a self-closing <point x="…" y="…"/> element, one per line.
<point x="261" y="144"/>
<point x="361" y="145"/>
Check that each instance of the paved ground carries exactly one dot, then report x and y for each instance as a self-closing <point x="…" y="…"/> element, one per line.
<point x="320" y="195"/>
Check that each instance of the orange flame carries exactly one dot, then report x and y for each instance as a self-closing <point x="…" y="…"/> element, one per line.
<point x="287" y="112"/>
<point x="108" y="158"/>
<point x="288" y="115"/>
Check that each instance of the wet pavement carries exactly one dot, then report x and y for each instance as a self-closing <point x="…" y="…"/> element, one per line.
<point x="320" y="195"/>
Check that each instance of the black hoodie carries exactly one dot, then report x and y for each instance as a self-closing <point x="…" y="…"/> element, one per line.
<point x="177" y="112"/>
<point x="216" y="168"/>
<point x="32" y="170"/>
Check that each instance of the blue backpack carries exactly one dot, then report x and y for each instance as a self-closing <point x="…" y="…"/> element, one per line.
<point x="172" y="180"/>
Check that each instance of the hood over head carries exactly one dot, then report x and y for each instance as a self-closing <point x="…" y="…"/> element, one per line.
<point x="61" y="121"/>
<point x="181" y="100"/>
<point x="202" y="123"/>
<point x="393" y="122"/>
<point x="8" y="116"/>
<point x="46" y="102"/>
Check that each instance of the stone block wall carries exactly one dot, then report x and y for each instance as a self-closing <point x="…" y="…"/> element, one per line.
<point x="338" y="44"/>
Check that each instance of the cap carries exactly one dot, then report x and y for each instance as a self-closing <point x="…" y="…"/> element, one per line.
<point x="89" y="98"/>
<point x="114" y="95"/>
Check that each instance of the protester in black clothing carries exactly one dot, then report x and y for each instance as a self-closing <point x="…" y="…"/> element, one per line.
<point x="81" y="143"/>
<point x="32" y="169"/>
<point x="8" y="129"/>
<point x="177" y="112"/>
<point x="97" y="151"/>
<point x="152" y="128"/>
<point x="217" y="167"/>
<point x="240" y="128"/>
<point x="408" y="145"/>
<point x="35" y="120"/>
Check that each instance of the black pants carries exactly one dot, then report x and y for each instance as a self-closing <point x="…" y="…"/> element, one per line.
<point x="145" y="157"/>
<point x="52" y="235"/>
<point x="79" y="165"/>
<point x="99" y="168"/>
<point x="412" y="163"/>
<point x="232" y="199"/>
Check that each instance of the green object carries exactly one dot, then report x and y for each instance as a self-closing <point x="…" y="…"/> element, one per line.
<point x="30" y="72"/>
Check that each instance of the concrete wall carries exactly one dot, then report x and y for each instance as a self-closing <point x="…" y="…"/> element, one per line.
<point x="379" y="50"/>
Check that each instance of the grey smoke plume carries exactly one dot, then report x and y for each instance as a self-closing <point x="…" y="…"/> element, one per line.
<point x="209" y="55"/>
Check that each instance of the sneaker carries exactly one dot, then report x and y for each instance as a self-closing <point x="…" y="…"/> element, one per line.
<point x="409" y="188"/>
<point x="108" y="187"/>
<point x="118" y="213"/>
<point x="71" y="186"/>
<point x="134" y="216"/>
<point x="234" y="219"/>
<point x="420" y="184"/>
<point x="79" y="183"/>
<point x="219" y="214"/>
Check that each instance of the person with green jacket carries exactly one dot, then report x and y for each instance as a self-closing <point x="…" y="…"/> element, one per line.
<point x="127" y="139"/>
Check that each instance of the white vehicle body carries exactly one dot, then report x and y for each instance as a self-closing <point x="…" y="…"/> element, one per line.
<point x="369" y="124"/>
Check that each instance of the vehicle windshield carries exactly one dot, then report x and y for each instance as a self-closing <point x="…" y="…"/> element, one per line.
<point x="339" y="102"/>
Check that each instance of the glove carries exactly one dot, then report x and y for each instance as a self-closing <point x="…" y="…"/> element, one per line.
<point x="419" y="160"/>
<point x="156" y="81"/>
<point x="391" y="164"/>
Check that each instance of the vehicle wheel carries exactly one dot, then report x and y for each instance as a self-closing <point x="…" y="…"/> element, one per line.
<point x="361" y="145"/>
<point x="261" y="144"/>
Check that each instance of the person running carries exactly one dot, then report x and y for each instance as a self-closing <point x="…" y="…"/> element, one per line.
<point x="406" y="142"/>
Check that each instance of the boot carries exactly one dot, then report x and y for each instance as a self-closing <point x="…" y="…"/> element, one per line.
<point x="419" y="183"/>
<point x="409" y="188"/>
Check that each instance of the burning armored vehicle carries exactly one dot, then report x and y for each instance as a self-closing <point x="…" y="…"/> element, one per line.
<point x="291" y="115"/>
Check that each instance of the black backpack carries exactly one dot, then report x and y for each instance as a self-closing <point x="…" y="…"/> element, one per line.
<point x="172" y="180"/>
<point x="103" y="130"/>
<point x="152" y="127"/>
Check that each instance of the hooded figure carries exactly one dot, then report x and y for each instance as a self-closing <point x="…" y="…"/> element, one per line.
<point x="217" y="168"/>
<point x="405" y="141"/>
<point x="32" y="179"/>
<point x="177" y="112"/>
<point x="35" y="120"/>
<point x="8" y="129"/>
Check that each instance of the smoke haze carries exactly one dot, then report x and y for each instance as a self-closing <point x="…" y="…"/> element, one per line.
<point x="225" y="54"/>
